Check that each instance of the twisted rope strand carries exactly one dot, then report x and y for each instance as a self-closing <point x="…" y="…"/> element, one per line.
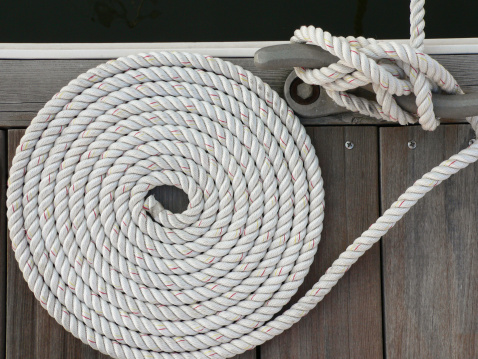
<point x="391" y="68"/>
<point x="114" y="267"/>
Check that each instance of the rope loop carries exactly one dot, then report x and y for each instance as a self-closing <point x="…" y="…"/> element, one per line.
<point x="393" y="69"/>
<point x="129" y="277"/>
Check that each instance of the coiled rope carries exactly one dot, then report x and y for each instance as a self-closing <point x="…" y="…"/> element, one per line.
<point x="130" y="278"/>
<point x="134" y="280"/>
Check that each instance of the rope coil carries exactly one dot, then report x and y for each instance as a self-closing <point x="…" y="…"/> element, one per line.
<point x="134" y="280"/>
<point x="114" y="267"/>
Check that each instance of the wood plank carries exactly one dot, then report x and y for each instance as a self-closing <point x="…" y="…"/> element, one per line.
<point x="348" y="322"/>
<point x="3" y="241"/>
<point x="11" y="120"/>
<point x="31" y="332"/>
<point x="429" y="272"/>
<point x="25" y="85"/>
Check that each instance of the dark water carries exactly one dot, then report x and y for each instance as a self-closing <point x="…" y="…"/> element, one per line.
<point x="222" y="20"/>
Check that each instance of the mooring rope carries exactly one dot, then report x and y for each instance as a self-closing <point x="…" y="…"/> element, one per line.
<point x="134" y="280"/>
<point x="391" y="68"/>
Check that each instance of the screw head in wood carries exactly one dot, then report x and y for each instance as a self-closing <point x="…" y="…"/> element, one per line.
<point x="349" y="145"/>
<point x="412" y="145"/>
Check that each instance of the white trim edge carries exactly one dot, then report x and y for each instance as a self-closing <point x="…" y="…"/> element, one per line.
<point x="220" y="49"/>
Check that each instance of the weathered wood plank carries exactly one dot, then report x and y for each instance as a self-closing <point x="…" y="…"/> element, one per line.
<point x="3" y="241"/>
<point x="25" y="85"/>
<point x="429" y="272"/>
<point x="11" y="120"/>
<point x="348" y="323"/>
<point x="31" y="332"/>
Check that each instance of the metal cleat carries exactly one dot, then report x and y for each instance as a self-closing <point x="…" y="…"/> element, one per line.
<point x="309" y="101"/>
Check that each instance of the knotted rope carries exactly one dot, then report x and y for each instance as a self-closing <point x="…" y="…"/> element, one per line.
<point x="134" y="280"/>
<point x="391" y="68"/>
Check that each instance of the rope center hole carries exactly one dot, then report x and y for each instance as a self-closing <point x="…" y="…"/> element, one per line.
<point x="172" y="198"/>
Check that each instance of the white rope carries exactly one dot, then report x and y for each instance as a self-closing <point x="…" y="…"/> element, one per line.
<point x="136" y="281"/>
<point x="391" y="68"/>
<point x="130" y="278"/>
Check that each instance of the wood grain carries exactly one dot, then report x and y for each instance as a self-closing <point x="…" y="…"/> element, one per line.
<point x="25" y="85"/>
<point x="348" y="322"/>
<point x="3" y="241"/>
<point x="429" y="258"/>
<point x="32" y="333"/>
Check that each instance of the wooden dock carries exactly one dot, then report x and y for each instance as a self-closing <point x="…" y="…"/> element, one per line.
<point x="415" y="295"/>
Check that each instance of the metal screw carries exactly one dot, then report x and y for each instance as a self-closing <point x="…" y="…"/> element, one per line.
<point x="349" y="145"/>
<point x="412" y="145"/>
<point x="472" y="141"/>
